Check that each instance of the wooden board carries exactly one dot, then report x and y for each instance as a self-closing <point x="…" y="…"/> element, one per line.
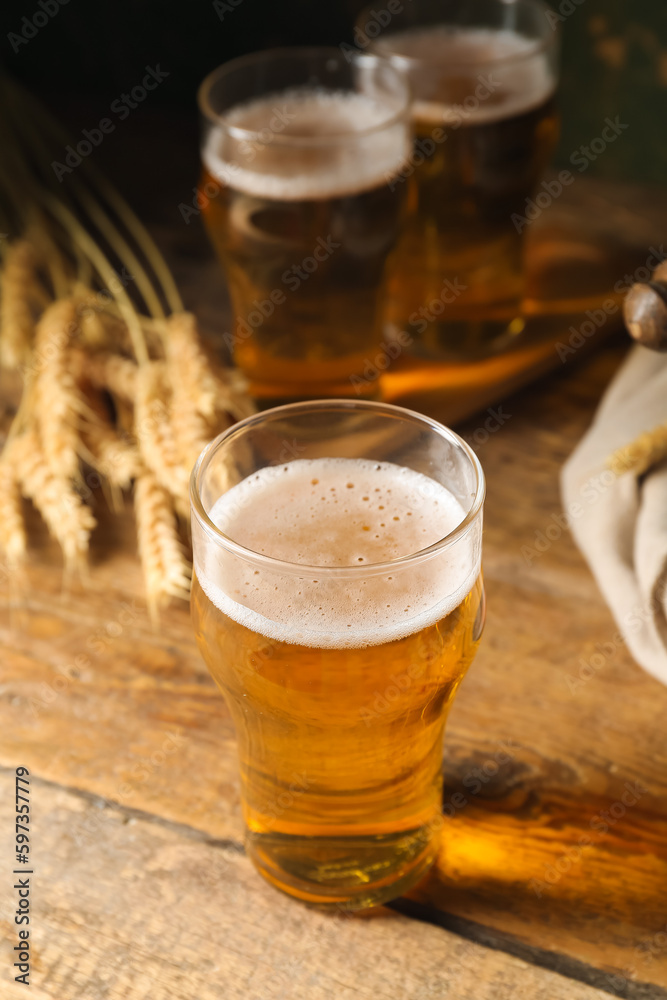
<point x="136" y="756"/>
<point x="195" y="921"/>
<point x="139" y="723"/>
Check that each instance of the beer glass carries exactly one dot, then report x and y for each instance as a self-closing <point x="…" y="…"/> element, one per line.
<point x="483" y="77"/>
<point x="297" y="146"/>
<point x="338" y="602"/>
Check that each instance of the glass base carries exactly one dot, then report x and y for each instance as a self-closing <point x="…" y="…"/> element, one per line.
<point x="344" y="873"/>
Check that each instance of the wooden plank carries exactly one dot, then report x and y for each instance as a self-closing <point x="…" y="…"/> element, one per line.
<point x="142" y="724"/>
<point x="151" y="911"/>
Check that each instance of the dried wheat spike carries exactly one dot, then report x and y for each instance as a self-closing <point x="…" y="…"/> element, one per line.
<point x="116" y="374"/>
<point x="68" y="518"/>
<point x="12" y="526"/>
<point x="17" y="284"/>
<point x="59" y="403"/>
<point x="643" y="454"/>
<point x="213" y="391"/>
<point x="116" y="459"/>
<point x="166" y="570"/>
<point x="155" y="433"/>
<point x="192" y="386"/>
<point x="189" y="369"/>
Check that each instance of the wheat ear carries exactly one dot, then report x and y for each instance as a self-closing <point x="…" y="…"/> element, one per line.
<point x="193" y="386"/>
<point x="12" y="526"/>
<point x="642" y="454"/>
<point x="166" y="570"/>
<point x="60" y="404"/>
<point x="68" y="518"/>
<point x="115" y="457"/>
<point x="116" y="374"/>
<point x="155" y="433"/>
<point x="189" y="368"/>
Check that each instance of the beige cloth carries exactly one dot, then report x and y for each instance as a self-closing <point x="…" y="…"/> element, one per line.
<point x="620" y="521"/>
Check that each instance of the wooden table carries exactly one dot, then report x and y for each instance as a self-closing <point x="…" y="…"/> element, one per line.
<point x="141" y="889"/>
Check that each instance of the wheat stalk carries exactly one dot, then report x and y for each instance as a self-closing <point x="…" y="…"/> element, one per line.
<point x="113" y="372"/>
<point x="12" y="527"/>
<point x="155" y="433"/>
<point x="166" y="570"/>
<point x="16" y="315"/>
<point x="59" y="403"/>
<point x="115" y="457"/>
<point x="108" y="379"/>
<point x="68" y="518"/>
<point x="189" y="370"/>
<point x="193" y="385"/>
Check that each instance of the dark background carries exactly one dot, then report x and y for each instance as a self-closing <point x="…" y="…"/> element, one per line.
<point x="614" y="51"/>
<point x="91" y="51"/>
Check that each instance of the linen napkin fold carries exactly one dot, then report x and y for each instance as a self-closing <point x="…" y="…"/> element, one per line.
<point x="616" y="507"/>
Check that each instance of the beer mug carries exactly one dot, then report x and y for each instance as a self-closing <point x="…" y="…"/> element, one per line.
<point x="483" y="77"/>
<point x="338" y="602"/>
<point x="297" y="146"/>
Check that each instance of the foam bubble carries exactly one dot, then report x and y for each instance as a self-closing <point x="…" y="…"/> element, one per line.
<point x="338" y="512"/>
<point x="334" y="169"/>
<point x="453" y="62"/>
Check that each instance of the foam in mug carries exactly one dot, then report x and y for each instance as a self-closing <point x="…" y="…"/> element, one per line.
<point x="338" y="512"/>
<point x="511" y="70"/>
<point x="351" y="164"/>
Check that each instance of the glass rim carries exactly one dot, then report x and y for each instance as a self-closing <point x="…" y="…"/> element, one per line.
<point x="372" y="569"/>
<point x="296" y="51"/>
<point x="542" y="44"/>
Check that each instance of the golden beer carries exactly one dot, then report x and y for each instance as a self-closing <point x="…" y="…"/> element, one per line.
<point x="303" y="221"/>
<point x="339" y="664"/>
<point x="485" y="128"/>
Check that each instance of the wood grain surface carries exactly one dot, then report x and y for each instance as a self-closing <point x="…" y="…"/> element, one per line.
<point x="556" y="735"/>
<point x="152" y="911"/>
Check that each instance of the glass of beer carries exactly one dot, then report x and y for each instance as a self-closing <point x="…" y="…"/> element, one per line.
<point x="483" y="77"/>
<point x="297" y="147"/>
<point x="338" y="603"/>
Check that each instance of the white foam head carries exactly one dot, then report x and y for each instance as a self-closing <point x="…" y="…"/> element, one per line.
<point x="338" y="512"/>
<point x="347" y="159"/>
<point x="472" y="75"/>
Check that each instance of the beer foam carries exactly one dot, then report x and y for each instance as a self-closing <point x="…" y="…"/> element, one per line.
<point x="338" y="512"/>
<point x="264" y="168"/>
<point x="512" y="70"/>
